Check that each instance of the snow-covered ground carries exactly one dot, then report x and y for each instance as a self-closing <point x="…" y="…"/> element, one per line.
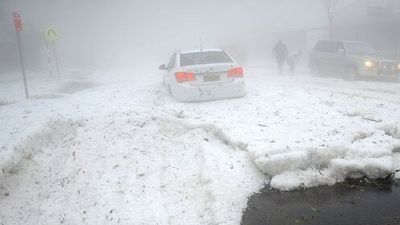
<point x="111" y="147"/>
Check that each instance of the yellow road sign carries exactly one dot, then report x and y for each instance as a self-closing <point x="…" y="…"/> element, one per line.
<point x="51" y="34"/>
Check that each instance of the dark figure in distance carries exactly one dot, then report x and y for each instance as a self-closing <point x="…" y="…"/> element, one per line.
<point x="280" y="53"/>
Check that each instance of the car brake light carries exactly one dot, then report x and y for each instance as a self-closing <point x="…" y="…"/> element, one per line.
<point x="236" y="72"/>
<point x="184" y="77"/>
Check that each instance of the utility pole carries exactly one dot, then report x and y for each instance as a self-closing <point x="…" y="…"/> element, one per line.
<point x="330" y="6"/>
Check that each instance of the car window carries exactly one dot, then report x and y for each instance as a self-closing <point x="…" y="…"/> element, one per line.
<point x="336" y="46"/>
<point x="199" y="58"/>
<point x="321" y="46"/>
<point x="172" y="62"/>
<point x="327" y="46"/>
<point x="340" y="46"/>
<point x="360" y="49"/>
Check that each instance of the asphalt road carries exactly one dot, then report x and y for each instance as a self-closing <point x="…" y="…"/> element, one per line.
<point x="355" y="202"/>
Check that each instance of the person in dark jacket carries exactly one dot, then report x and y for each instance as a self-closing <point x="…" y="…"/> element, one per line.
<point x="280" y="53"/>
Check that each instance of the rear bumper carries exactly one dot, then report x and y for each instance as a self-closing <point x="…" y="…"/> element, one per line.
<point x="187" y="93"/>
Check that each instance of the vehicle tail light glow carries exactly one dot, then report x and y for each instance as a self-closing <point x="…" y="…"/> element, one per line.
<point x="182" y="77"/>
<point x="235" y="72"/>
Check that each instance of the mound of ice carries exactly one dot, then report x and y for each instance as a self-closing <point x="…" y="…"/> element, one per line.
<point x="292" y="168"/>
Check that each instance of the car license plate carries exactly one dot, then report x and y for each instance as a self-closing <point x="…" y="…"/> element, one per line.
<point x="211" y="78"/>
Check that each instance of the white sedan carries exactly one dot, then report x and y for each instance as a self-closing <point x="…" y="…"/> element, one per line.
<point x="203" y="75"/>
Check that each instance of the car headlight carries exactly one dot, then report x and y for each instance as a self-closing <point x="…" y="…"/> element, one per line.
<point x="368" y="64"/>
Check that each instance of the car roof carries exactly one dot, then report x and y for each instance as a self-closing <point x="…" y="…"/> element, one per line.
<point x="346" y="42"/>
<point x="355" y="42"/>
<point x="196" y="50"/>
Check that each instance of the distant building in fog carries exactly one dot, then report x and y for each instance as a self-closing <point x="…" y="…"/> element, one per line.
<point x="373" y="21"/>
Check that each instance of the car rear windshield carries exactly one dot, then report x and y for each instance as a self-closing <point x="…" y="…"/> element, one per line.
<point x="360" y="49"/>
<point x="200" y="58"/>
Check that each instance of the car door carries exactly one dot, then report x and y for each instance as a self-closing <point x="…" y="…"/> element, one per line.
<point x="330" y="59"/>
<point x="322" y="55"/>
<point x="316" y="61"/>
<point x="338" y="58"/>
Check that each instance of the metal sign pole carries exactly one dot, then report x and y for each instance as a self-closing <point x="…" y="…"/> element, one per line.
<point x="18" y="29"/>
<point x="49" y="59"/>
<point x="56" y="58"/>
<point x="51" y="35"/>
<point x="21" y="58"/>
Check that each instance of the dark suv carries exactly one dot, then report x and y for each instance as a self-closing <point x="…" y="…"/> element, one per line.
<point x="351" y="60"/>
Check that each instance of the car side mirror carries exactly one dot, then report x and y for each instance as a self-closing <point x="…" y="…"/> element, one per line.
<point x="341" y="51"/>
<point x="162" y="67"/>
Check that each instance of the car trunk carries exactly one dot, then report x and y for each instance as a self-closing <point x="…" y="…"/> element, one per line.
<point x="210" y="73"/>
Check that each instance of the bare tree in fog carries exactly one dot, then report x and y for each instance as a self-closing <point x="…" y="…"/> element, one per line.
<point x="331" y="6"/>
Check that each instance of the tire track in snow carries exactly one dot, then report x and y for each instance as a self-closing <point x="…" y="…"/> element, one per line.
<point x="184" y="161"/>
<point x="35" y="171"/>
<point x="54" y="132"/>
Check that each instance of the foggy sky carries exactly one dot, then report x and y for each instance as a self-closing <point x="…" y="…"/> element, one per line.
<point x="109" y="32"/>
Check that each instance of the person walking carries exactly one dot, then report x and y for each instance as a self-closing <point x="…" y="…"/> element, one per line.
<point x="280" y="53"/>
<point x="292" y="61"/>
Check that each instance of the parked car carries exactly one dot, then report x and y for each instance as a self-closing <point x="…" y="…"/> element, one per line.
<point x="351" y="60"/>
<point x="203" y="75"/>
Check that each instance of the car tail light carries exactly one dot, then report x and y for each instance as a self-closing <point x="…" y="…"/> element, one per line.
<point x="184" y="77"/>
<point x="236" y="72"/>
